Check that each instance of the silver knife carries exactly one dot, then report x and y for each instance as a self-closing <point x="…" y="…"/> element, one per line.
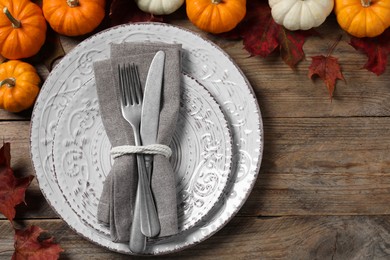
<point x="149" y="127"/>
<point x="140" y="228"/>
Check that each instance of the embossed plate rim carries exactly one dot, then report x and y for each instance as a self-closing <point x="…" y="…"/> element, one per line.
<point x="231" y="203"/>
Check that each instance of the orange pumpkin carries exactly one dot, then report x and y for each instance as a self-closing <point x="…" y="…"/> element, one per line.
<point x="22" y="29"/>
<point x="363" y="18"/>
<point x="216" y="16"/>
<point x="74" y="17"/>
<point x="19" y="85"/>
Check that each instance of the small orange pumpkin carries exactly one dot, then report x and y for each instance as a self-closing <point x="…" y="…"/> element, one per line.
<point x="22" y="29"/>
<point x="74" y="17"/>
<point x="216" y="16"/>
<point x="363" y="18"/>
<point x="19" y="85"/>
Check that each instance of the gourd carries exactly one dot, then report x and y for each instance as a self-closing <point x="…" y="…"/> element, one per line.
<point x="22" y="29"/>
<point x="19" y="85"/>
<point x="159" y="7"/>
<point x="300" y="14"/>
<point x="363" y="18"/>
<point x="216" y="16"/>
<point x="73" y="17"/>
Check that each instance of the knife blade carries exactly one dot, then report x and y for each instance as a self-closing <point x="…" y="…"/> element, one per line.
<point x="152" y="98"/>
<point x="149" y="128"/>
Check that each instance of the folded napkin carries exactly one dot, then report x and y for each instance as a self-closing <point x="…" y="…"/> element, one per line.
<point x="116" y="203"/>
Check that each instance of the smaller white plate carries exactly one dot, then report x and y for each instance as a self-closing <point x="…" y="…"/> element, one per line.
<point x="202" y="154"/>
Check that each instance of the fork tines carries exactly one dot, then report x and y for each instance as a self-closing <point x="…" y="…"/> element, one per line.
<point x="129" y="82"/>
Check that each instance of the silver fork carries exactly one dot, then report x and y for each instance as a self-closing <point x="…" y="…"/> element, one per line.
<point x="145" y="219"/>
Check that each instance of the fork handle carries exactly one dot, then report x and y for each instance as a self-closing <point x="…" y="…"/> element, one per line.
<point x="150" y="224"/>
<point x="137" y="241"/>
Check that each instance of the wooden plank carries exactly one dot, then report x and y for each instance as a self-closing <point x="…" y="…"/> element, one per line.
<point x="310" y="166"/>
<point x="323" y="145"/>
<point x="348" y="237"/>
<point x="283" y="92"/>
<point x="323" y="166"/>
<point x="285" y="194"/>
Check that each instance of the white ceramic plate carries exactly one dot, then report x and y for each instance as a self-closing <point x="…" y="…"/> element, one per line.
<point x="201" y="159"/>
<point x="205" y="62"/>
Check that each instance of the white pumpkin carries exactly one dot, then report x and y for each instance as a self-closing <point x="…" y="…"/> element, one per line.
<point x="300" y="14"/>
<point x="159" y="7"/>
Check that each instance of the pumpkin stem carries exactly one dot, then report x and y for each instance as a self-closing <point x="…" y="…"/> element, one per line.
<point x="366" y="3"/>
<point x="15" y="23"/>
<point x="73" y="3"/>
<point x="216" y="1"/>
<point x="11" y="82"/>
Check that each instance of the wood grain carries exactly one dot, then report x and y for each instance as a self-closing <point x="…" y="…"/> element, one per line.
<point x="323" y="191"/>
<point x="311" y="166"/>
<point x="283" y="92"/>
<point x="348" y="237"/>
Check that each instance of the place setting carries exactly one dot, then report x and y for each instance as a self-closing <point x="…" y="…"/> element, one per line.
<point x="134" y="128"/>
<point x="146" y="138"/>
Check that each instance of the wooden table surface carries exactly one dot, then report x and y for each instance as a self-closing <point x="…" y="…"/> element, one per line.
<point x="323" y="190"/>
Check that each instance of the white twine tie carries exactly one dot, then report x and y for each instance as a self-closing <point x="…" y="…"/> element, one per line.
<point x="148" y="149"/>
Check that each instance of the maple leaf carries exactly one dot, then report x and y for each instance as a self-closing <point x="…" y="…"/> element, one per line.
<point x="262" y="36"/>
<point x="125" y="11"/>
<point x="327" y="68"/>
<point x="35" y="243"/>
<point x="377" y="50"/>
<point x="12" y="189"/>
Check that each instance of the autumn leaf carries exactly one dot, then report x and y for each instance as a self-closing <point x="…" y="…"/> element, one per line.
<point x="34" y="243"/>
<point x="262" y="36"/>
<point x="377" y="50"/>
<point x="126" y="11"/>
<point x="12" y="189"/>
<point x="327" y="68"/>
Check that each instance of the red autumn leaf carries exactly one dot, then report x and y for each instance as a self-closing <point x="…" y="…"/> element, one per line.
<point x="12" y="189"/>
<point x="327" y="68"/>
<point x="126" y="11"/>
<point x="262" y="36"/>
<point x="34" y="243"/>
<point x="377" y="50"/>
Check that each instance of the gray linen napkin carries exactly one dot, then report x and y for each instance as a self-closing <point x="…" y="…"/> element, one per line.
<point x="117" y="200"/>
